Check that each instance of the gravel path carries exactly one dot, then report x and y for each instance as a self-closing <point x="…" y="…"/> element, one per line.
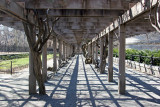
<point x="78" y="84"/>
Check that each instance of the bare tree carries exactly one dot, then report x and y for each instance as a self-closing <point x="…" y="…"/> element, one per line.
<point x="156" y="16"/>
<point x="37" y="36"/>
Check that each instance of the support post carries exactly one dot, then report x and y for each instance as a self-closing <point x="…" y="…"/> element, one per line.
<point x="96" y="53"/>
<point x="88" y="49"/>
<point x="93" y="61"/>
<point x="44" y="62"/>
<point x="67" y="50"/>
<point x="101" y="53"/>
<point x="70" y="50"/>
<point x="60" y="52"/>
<point x="73" y="49"/>
<point x="11" y="68"/>
<point x="54" y="54"/>
<point x="101" y="47"/>
<point x="32" y="79"/>
<point x="64" y="53"/>
<point x="91" y="50"/>
<point x="110" y="58"/>
<point x="121" y="82"/>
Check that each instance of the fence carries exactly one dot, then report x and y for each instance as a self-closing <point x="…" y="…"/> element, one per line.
<point x="147" y="64"/>
<point x="6" y="62"/>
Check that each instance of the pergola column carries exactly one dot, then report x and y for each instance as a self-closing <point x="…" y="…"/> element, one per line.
<point x="54" y="54"/>
<point x="44" y="62"/>
<point x="110" y="57"/>
<point x="64" y="52"/>
<point x="71" y="50"/>
<point x="88" y="49"/>
<point x="96" y="57"/>
<point x="93" y="52"/>
<point x="67" y="49"/>
<point x="101" y="52"/>
<point x="121" y="82"/>
<point x="32" y="78"/>
<point x="60" y="52"/>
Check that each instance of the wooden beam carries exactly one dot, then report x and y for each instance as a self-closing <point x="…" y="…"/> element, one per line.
<point x="137" y="10"/>
<point x="79" y="4"/>
<point x="84" y="13"/>
<point x="14" y="10"/>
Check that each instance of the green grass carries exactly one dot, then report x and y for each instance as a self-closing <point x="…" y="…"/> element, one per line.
<point x="4" y="65"/>
<point x="50" y="56"/>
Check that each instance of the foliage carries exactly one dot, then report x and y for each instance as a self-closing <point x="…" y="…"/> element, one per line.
<point x="12" y="56"/>
<point x="144" y="55"/>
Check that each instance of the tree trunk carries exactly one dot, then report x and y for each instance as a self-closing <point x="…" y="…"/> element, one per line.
<point x="37" y="68"/>
<point x="37" y="35"/>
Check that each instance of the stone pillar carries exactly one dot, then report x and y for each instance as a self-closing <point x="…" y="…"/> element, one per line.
<point x="70" y="51"/>
<point x="54" y="54"/>
<point x="121" y="82"/>
<point x="44" y="62"/>
<point x="101" y="48"/>
<point x="96" y="56"/>
<point x="91" y="54"/>
<point x="110" y="57"/>
<point x="92" y="46"/>
<point x="73" y="49"/>
<point x="60" y="52"/>
<point x="32" y="78"/>
<point x="88" y="49"/>
<point x="64" y="52"/>
<point x="67" y="50"/>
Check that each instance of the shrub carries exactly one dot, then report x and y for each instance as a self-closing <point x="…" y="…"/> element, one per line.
<point x="133" y="54"/>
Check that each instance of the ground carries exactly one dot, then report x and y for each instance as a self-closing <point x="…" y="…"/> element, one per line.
<point x="78" y="84"/>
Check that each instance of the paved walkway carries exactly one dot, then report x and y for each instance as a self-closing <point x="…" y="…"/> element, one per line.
<point x="83" y="87"/>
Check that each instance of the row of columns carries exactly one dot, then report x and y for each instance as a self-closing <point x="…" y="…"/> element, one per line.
<point x="93" y="50"/>
<point x="65" y="51"/>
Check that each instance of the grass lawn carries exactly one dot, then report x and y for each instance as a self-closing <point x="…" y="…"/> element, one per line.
<point x="4" y="65"/>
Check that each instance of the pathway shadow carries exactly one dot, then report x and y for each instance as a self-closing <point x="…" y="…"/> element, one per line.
<point x="81" y="85"/>
<point x="142" y="83"/>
